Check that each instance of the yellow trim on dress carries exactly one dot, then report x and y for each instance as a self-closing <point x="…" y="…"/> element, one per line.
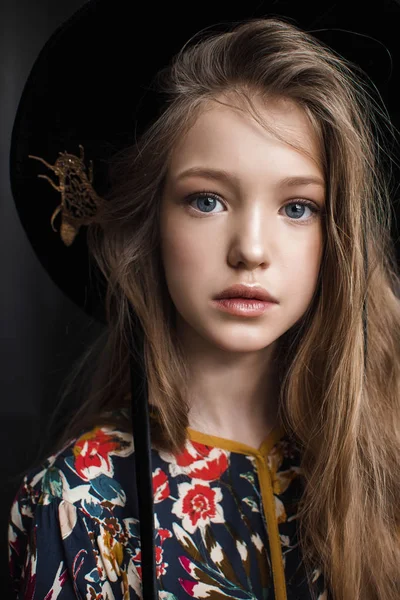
<point x="268" y="499"/>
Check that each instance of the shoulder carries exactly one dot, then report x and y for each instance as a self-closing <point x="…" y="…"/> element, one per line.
<point x="73" y="518"/>
<point x="94" y="468"/>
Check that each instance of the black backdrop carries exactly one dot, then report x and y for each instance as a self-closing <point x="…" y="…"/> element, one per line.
<point x="42" y="332"/>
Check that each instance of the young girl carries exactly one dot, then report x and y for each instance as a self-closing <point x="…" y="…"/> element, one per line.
<point x="248" y="228"/>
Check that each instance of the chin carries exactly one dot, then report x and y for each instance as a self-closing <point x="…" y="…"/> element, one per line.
<point x="238" y="341"/>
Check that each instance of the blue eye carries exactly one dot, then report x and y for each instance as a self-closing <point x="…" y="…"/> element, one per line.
<point x="303" y="204"/>
<point x="209" y="200"/>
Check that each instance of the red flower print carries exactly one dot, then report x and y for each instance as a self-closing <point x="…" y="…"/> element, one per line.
<point x="161" y="567"/>
<point x="160" y="485"/>
<point x="197" y="505"/>
<point x="92" y="452"/>
<point x="164" y="534"/>
<point x="198" y="589"/>
<point x="188" y="586"/>
<point x="198" y="461"/>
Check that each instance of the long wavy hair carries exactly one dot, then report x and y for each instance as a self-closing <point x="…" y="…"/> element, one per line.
<point x="340" y="406"/>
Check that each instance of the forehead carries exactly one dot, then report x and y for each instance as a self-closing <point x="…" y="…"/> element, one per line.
<point x="227" y="132"/>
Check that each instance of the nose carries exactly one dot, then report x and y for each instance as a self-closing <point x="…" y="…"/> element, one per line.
<point x="250" y="240"/>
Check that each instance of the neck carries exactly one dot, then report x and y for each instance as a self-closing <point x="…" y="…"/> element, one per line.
<point x="232" y="394"/>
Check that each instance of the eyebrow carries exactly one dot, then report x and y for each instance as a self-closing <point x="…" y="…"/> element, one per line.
<point x="221" y="175"/>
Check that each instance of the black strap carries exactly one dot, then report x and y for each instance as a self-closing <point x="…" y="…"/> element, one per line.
<point x="142" y="454"/>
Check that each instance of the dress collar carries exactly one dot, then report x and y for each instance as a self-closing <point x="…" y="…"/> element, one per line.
<point x="233" y="446"/>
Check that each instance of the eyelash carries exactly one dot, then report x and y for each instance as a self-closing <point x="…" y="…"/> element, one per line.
<point x="314" y="209"/>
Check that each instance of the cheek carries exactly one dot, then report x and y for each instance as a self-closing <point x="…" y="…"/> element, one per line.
<point x="186" y="251"/>
<point x="187" y="269"/>
<point x="302" y="266"/>
<point x="179" y="250"/>
<point x="299" y="261"/>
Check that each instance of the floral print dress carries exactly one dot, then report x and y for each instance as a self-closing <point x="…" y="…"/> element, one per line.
<point x="225" y="522"/>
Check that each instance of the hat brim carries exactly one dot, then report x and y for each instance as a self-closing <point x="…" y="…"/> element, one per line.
<point x="91" y="86"/>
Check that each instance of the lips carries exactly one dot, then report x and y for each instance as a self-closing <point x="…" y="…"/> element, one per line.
<point x="247" y="292"/>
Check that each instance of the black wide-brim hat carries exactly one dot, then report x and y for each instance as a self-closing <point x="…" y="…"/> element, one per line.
<point x="90" y="94"/>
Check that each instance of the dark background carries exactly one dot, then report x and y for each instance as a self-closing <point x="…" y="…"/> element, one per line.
<point x="42" y="331"/>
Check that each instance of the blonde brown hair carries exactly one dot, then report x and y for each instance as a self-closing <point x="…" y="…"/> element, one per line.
<point x="345" y="417"/>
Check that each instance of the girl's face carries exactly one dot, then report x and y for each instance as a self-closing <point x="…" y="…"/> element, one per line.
<point x="236" y="220"/>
